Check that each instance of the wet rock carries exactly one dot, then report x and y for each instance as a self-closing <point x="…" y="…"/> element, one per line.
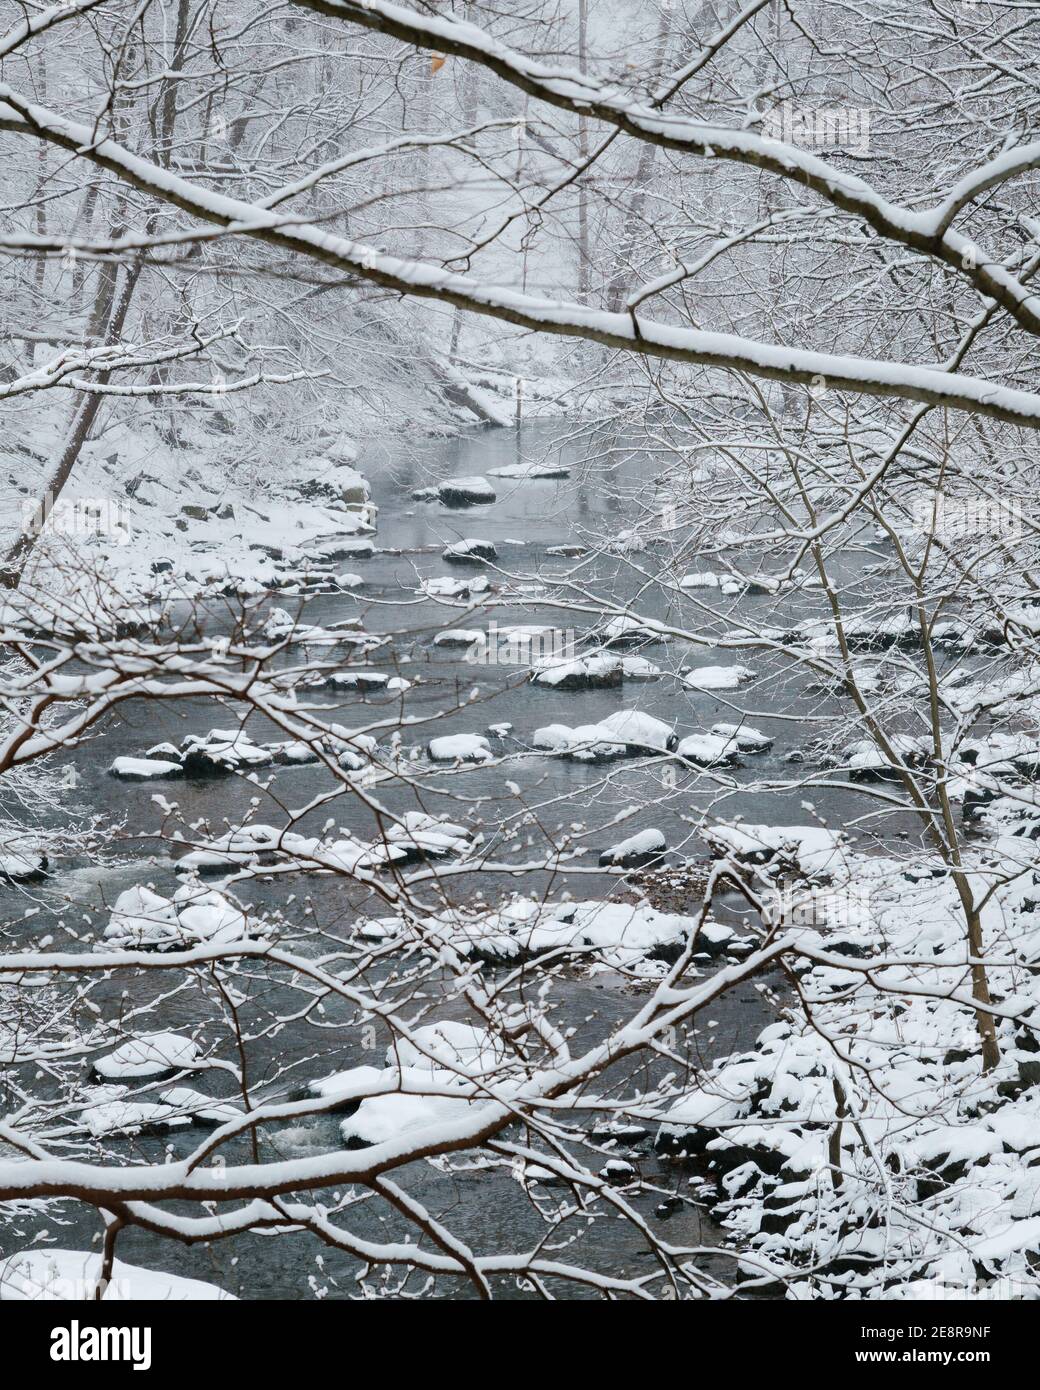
<point x="459" y="637"/>
<point x="618" y="1173"/>
<point x="620" y="1132"/>
<point x="866" y="762"/>
<point x="367" y="682"/>
<point x="347" y="549"/>
<point x="470" y="552"/>
<point x="221" y="752"/>
<point x="665" y="1210"/>
<point x="744" y="737"/>
<point x="584" y="673"/>
<point x="708" y="750"/>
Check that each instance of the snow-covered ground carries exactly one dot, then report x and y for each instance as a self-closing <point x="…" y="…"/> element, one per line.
<point x="876" y="1103"/>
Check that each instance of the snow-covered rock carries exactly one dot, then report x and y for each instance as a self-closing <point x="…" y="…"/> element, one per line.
<point x="456" y="748"/>
<point x="520" y="643"/>
<point x="583" y="673"/>
<point x="204" y="915"/>
<point x="708" y="750"/>
<point x="198" y="1108"/>
<point x="144" y="769"/>
<point x="717" y="677"/>
<point x="639" y="732"/>
<point x="447" y="587"/>
<point x="868" y="763"/>
<point x="639" y="849"/>
<point x="294" y="752"/>
<point x="721" y="748"/>
<point x="812" y="849"/>
<point x="343" y="1090"/>
<point x="729" y="585"/>
<point x="141" y="918"/>
<point x="346" y="548"/>
<point x="149" y="1057"/>
<point x="471" y="551"/>
<point x="130" y="1117"/>
<point x="747" y="739"/>
<point x="248" y="844"/>
<point x="869" y="632"/>
<point x="224" y="751"/>
<point x="626" y="733"/>
<point x="221" y="752"/>
<point x="340" y="478"/>
<point x="637" y="668"/>
<point x="145" y="920"/>
<point x="367" y="681"/>
<point x="612" y="934"/>
<point x="423" y="836"/>
<point x="465" y="492"/>
<point x="630" y="632"/>
<point x="394" y="1116"/>
<point x="255" y="844"/>
<point x="448" y="1045"/>
<point x="618" y="1172"/>
<point x="700" y="579"/>
<point x="531" y="469"/>
<point x="22" y="860"/>
<point x="447" y="1053"/>
<point x="1002" y="752"/>
<point x="283" y="627"/>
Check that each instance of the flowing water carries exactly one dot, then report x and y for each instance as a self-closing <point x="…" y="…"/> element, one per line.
<point x="529" y="519"/>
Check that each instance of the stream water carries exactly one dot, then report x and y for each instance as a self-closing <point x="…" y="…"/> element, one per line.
<point x="526" y="522"/>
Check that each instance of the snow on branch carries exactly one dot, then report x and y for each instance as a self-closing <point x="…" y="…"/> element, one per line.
<point x="927" y="232"/>
<point x="624" y="331"/>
